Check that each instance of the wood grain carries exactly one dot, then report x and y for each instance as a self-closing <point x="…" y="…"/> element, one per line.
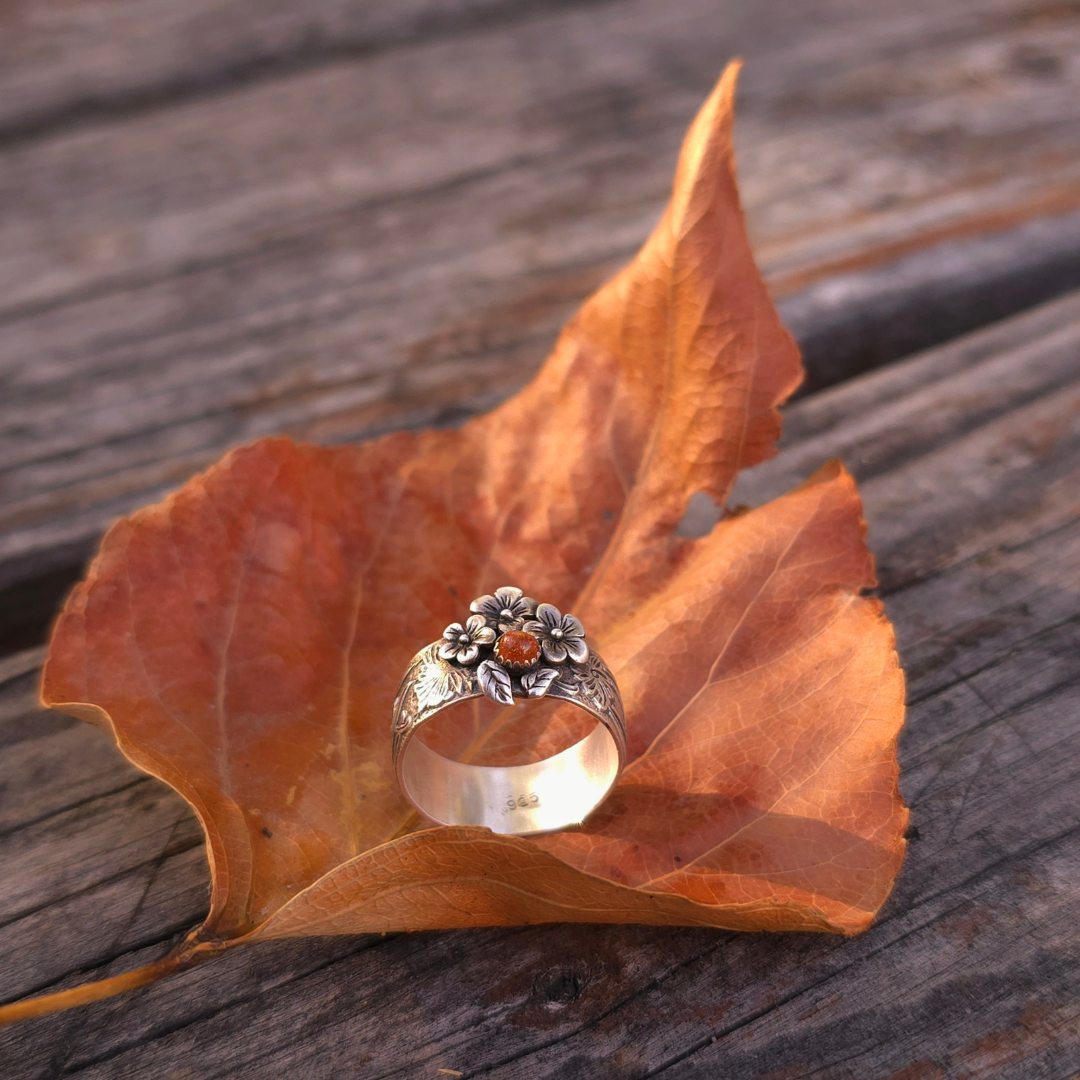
<point x="969" y="458"/>
<point x="62" y="64"/>
<point x="333" y="220"/>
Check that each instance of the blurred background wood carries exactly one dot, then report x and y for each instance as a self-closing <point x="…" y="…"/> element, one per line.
<point x="337" y="218"/>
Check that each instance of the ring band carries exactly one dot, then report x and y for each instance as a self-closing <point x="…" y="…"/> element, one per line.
<point x="510" y="647"/>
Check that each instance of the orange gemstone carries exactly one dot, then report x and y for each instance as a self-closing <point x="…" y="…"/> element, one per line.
<point x="518" y="650"/>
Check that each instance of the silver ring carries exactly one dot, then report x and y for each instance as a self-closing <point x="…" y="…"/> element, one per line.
<point x="509" y="647"/>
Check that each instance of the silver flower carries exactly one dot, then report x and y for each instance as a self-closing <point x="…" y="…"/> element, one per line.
<point x="560" y="635"/>
<point x="462" y="643"/>
<point x="507" y="609"/>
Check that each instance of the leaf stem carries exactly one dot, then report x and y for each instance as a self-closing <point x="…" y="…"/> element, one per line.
<point x="184" y="957"/>
<point x="406" y="827"/>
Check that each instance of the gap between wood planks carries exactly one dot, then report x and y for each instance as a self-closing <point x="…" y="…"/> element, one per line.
<point x="845" y="327"/>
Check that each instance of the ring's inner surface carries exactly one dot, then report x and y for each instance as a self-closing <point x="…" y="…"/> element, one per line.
<point x="544" y="796"/>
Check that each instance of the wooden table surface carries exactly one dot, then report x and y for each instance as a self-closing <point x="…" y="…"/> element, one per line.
<point x="336" y="218"/>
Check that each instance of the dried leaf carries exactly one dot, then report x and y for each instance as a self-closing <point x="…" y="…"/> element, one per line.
<point x="243" y="640"/>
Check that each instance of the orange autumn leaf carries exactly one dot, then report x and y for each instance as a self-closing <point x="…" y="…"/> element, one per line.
<point x="243" y="640"/>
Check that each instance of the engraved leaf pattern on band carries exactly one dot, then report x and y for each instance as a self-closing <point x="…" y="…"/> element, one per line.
<point x="437" y="684"/>
<point x="598" y="685"/>
<point x="591" y="682"/>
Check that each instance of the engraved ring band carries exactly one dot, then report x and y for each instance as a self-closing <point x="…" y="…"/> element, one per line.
<point x="509" y="647"/>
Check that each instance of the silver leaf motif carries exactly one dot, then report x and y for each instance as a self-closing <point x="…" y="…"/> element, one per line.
<point x="495" y="682"/>
<point x="436" y="685"/>
<point x="537" y="682"/>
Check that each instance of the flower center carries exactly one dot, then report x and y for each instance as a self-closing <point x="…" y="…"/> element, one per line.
<point x="506" y="615"/>
<point x="517" y="650"/>
<point x="463" y="639"/>
<point x="557" y="634"/>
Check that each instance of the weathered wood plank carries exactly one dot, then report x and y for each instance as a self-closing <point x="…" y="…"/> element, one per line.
<point x="978" y="939"/>
<point x="37" y="750"/>
<point x="148" y="905"/>
<point x="89" y="843"/>
<point x="996" y="411"/>
<point x="973" y="969"/>
<point x="126" y="856"/>
<point x="394" y="237"/>
<point x="62" y="64"/>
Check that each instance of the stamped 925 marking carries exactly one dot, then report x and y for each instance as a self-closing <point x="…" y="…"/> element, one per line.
<point x="522" y="802"/>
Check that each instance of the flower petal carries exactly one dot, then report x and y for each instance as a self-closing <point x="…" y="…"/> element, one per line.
<point x="469" y="655"/>
<point x="578" y="650"/>
<point x="474" y="623"/>
<point x="483" y="604"/>
<point x="572" y="626"/>
<point x="536" y="627"/>
<point x="448" y="650"/>
<point x="453" y="631"/>
<point x="549" y="615"/>
<point x="527" y="605"/>
<point x="507" y="596"/>
<point x="484" y="636"/>
<point x="554" y="651"/>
